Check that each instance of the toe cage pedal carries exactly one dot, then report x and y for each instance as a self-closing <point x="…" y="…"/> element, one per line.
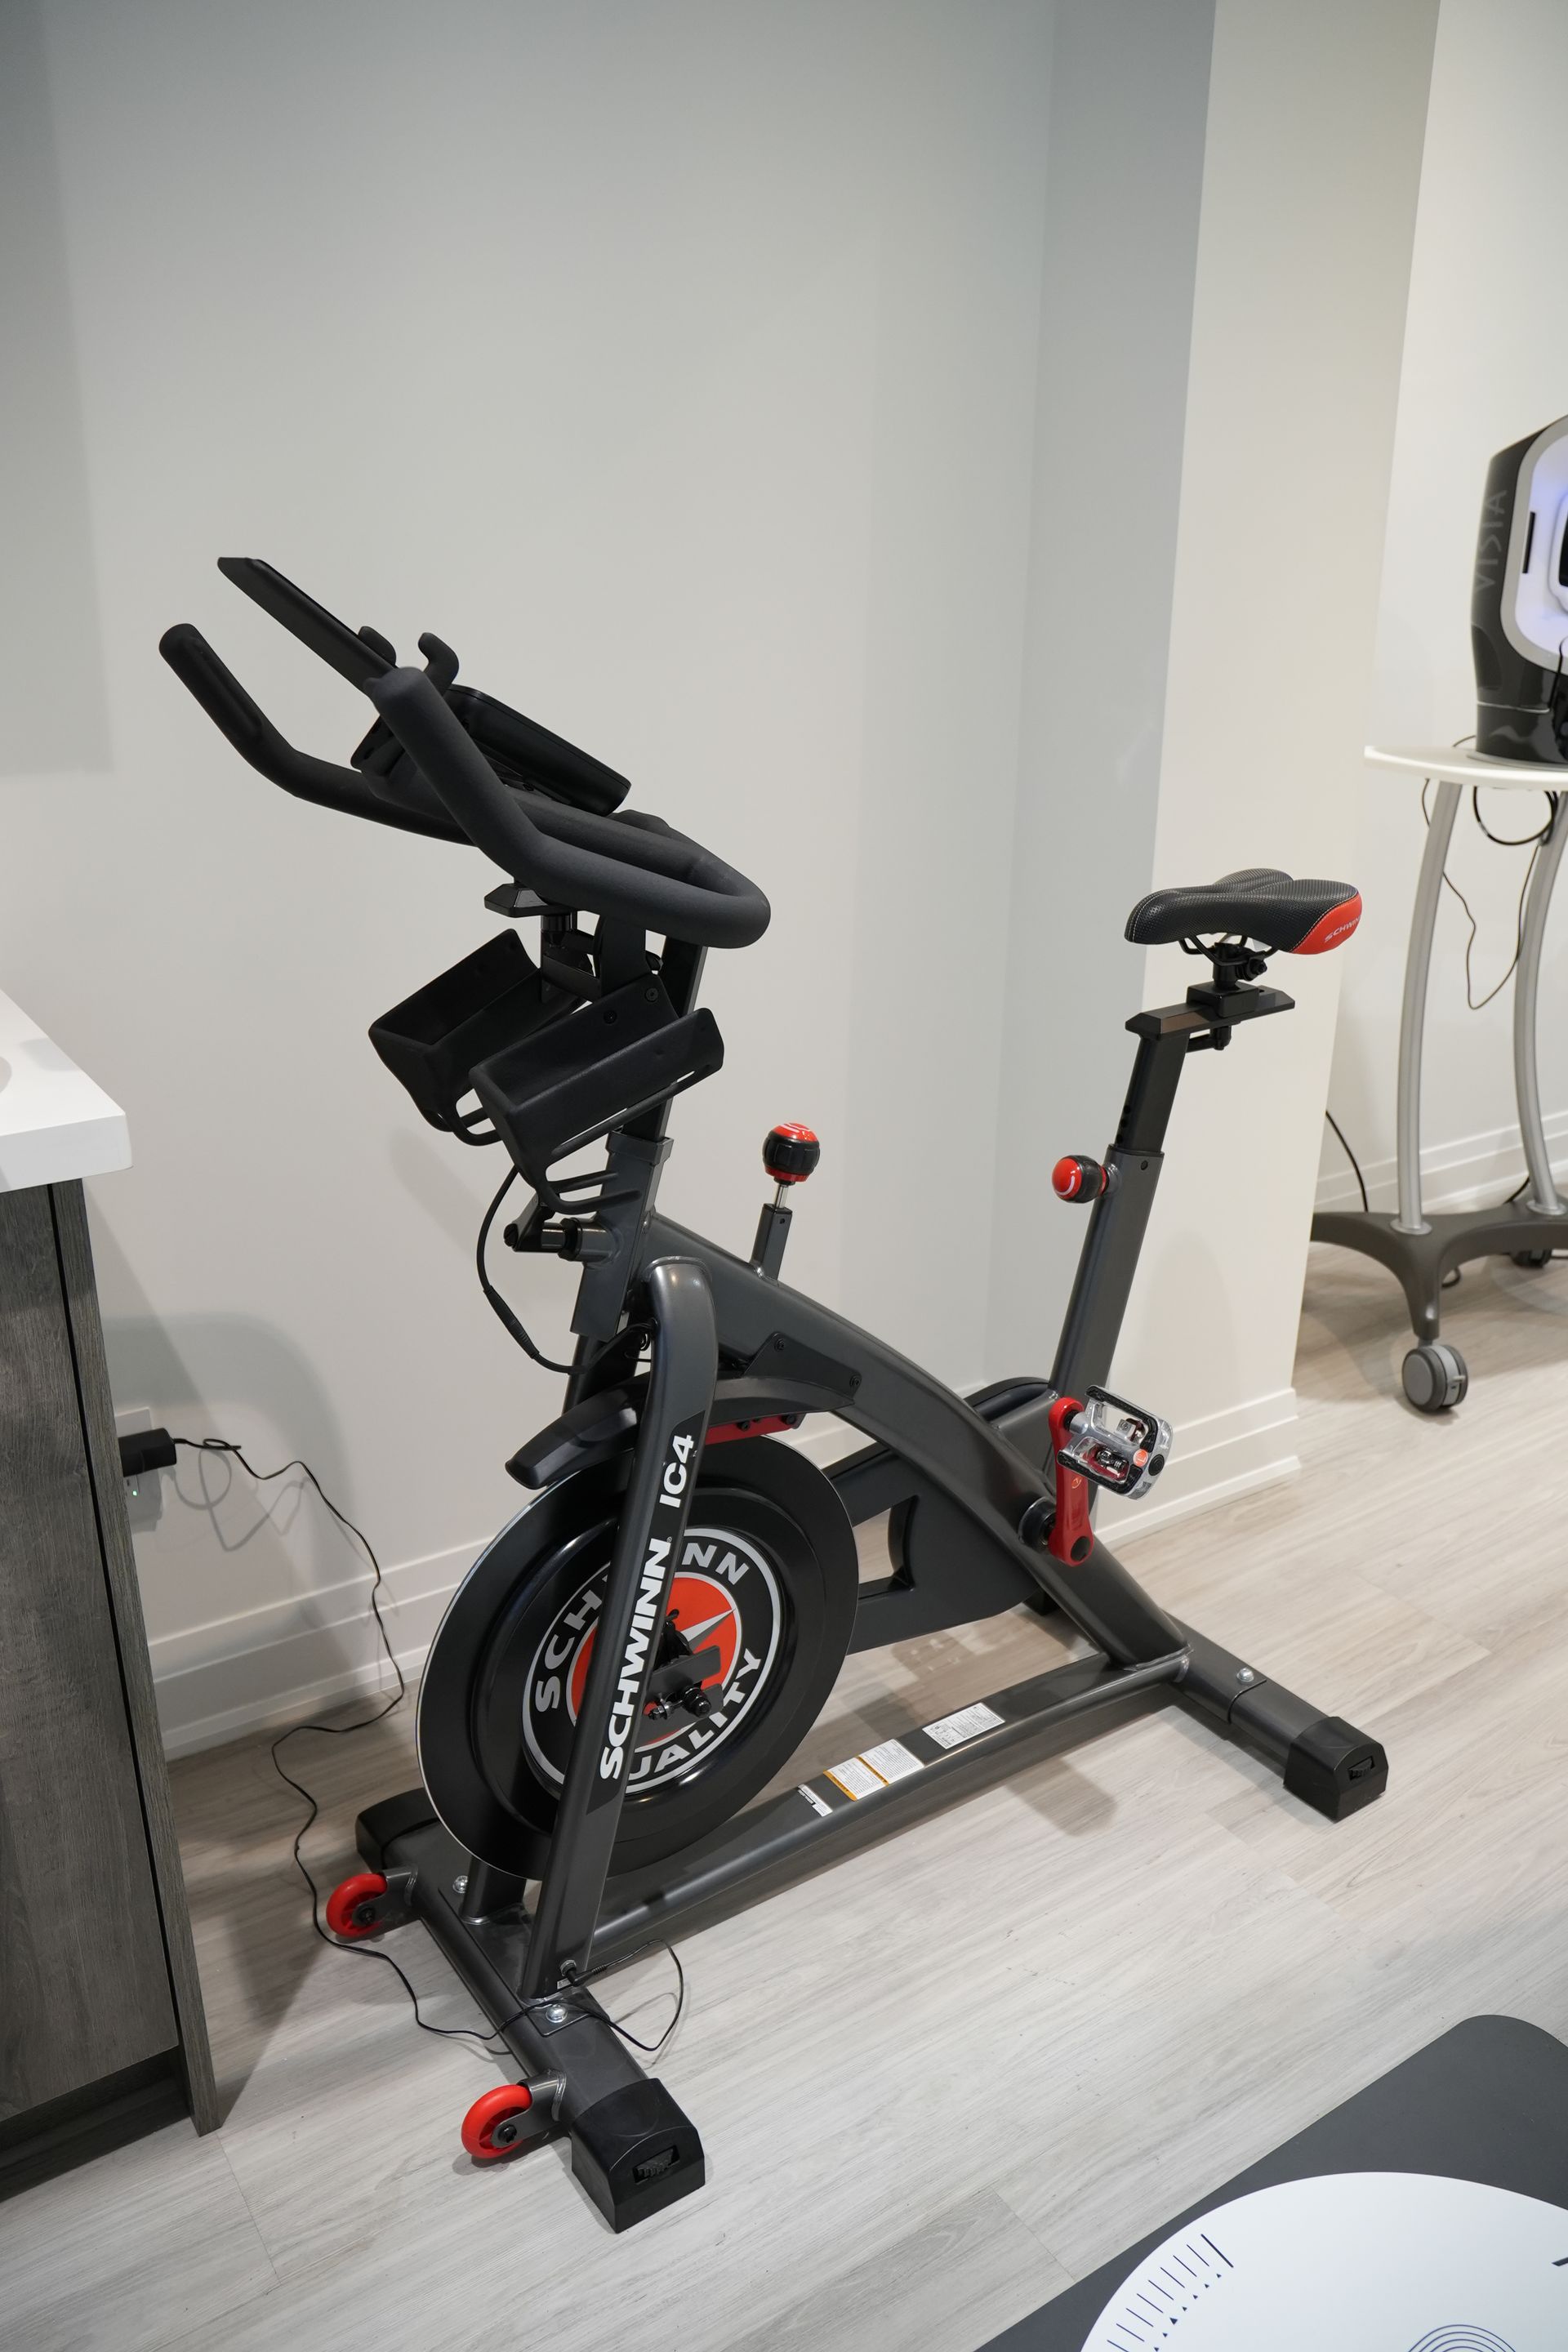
<point x="1115" y="1445"/>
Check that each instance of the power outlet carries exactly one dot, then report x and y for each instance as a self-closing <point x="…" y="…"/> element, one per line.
<point x="143" y="1496"/>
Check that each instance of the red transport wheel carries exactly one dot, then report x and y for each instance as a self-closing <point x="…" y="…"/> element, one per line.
<point x="490" y="2127"/>
<point x="345" y="1901"/>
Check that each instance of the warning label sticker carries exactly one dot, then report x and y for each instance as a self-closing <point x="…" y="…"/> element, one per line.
<point x="879" y="1768"/>
<point x="969" y="1722"/>
<point x="813" y="1800"/>
<point x="892" y="1760"/>
<point x="856" y="1777"/>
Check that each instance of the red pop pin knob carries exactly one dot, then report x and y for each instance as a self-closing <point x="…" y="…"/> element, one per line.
<point x="790" y="1152"/>
<point x="1078" y="1178"/>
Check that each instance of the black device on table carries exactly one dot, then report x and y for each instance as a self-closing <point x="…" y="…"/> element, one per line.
<point x="640" y="1651"/>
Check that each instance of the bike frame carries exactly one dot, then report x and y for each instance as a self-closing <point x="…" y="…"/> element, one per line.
<point x="725" y="1339"/>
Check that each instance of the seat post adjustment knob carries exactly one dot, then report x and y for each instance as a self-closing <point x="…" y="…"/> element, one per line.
<point x="1078" y="1178"/>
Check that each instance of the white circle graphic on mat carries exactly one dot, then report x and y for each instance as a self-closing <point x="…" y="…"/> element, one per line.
<point x="1380" y="2261"/>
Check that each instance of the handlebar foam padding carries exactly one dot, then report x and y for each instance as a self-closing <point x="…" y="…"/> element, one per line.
<point x="605" y="865"/>
<point x="247" y="726"/>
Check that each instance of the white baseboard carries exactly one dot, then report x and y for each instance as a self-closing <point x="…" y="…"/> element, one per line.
<point x="1458" y="1174"/>
<point x="1223" y="1455"/>
<point x="286" y="1660"/>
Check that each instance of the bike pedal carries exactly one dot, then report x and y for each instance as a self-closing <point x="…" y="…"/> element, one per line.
<point x="1115" y="1445"/>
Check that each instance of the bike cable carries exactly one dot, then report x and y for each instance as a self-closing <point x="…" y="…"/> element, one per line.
<point x="510" y="1322"/>
<point x="228" y="1447"/>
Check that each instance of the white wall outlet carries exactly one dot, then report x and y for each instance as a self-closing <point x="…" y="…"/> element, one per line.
<point x="143" y="1496"/>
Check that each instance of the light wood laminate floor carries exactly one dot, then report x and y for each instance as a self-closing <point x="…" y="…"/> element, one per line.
<point x="943" y="2078"/>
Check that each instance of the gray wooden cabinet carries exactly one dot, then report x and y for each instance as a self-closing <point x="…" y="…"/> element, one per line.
<point x="102" y="2030"/>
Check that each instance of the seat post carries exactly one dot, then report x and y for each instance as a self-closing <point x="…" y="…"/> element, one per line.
<point x="1109" y="1258"/>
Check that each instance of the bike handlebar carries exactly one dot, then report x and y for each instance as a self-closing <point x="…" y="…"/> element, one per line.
<point x="260" y="743"/>
<point x="627" y="865"/>
<point x="659" y="880"/>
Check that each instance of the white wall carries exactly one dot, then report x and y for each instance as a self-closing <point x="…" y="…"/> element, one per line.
<point x="1130" y="92"/>
<point x="1485" y="361"/>
<point x="1315" y="128"/>
<point x="676" y="363"/>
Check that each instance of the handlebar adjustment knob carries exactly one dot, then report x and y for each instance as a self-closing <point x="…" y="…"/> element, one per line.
<point x="790" y="1152"/>
<point x="1076" y="1178"/>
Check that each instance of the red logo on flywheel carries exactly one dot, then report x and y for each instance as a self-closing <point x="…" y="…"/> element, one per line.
<point x="706" y="1616"/>
<point x="725" y="1596"/>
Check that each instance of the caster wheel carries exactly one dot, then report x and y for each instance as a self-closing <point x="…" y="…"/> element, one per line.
<point x="349" y="1915"/>
<point x="1536" y="1258"/>
<point x="490" y="2127"/>
<point x="1436" y="1376"/>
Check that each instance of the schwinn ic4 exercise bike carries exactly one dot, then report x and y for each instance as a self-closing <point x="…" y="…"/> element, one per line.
<point x="641" y="1650"/>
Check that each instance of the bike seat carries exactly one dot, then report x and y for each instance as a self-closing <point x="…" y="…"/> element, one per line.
<point x="1258" y="903"/>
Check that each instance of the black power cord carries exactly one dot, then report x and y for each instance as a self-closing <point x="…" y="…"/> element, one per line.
<point x="508" y="1318"/>
<point x="1350" y="1155"/>
<point x="145" y="1450"/>
<point x="1534" y="843"/>
<point x="337" y="1730"/>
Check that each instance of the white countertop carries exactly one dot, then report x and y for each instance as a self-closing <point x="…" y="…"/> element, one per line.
<point x="1454" y="764"/>
<point x="55" y="1123"/>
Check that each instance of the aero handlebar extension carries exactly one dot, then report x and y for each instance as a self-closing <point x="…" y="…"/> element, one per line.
<point x="627" y="865"/>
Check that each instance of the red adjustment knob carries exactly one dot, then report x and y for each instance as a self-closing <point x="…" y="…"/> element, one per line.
<point x="1078" y="1178"/>
<point x="790" y="1153"/>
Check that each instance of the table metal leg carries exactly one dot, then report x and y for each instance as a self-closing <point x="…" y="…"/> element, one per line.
<point x="1543" y="1194"/>
<point x="1413" y="1013"/>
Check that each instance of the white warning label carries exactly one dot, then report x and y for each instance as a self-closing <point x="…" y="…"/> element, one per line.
<point x="856" y="1777"/>
<point x="892" y="1760"/>
<point x="813" y="1800"/>
<point x="969" y="1722"/>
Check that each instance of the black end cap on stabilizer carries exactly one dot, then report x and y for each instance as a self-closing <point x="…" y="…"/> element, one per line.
<point x="1336" y="1768"/>
<point x="635" y="2152"/>
<point x="381" y="1825"/>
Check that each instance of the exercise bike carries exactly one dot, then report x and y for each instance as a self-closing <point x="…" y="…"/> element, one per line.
<point x="641" y="1650"/>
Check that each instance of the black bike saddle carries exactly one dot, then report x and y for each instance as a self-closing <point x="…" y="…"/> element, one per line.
<point x="1258" y="903"/>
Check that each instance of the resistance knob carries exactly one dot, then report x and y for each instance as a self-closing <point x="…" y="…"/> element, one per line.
<point x="790" y="1153"/>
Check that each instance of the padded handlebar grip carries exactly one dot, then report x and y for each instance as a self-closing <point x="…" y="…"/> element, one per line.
<point x="605" y="865"/>
<point x="254" y="737"/>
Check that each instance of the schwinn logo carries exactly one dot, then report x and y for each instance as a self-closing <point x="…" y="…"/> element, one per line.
<point x="646" y="1614"/>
